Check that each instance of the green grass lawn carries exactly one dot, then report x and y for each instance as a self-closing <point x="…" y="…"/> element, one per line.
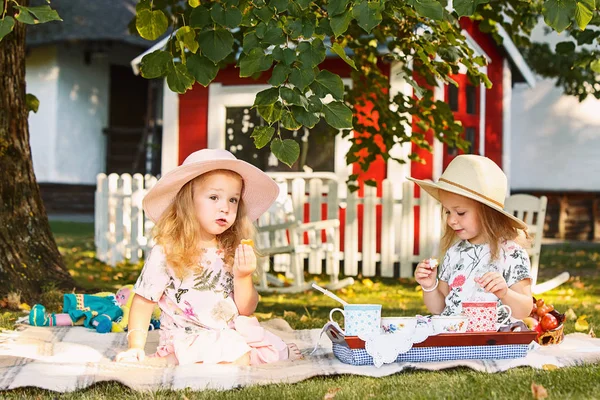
<point x="580" y="296"/>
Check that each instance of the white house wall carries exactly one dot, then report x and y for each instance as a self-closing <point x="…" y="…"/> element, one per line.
<point x="67" y="140"/>
<point x="555" y="140"/>
<point x="82" y="115"/>
<point x="42" y="76"/>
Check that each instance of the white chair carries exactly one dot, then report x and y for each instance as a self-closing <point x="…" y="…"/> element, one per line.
<point x="281" y="239"/>
<point x="532" y="210"/>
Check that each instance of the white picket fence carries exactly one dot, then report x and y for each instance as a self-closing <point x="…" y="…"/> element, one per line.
<point x="387" y="240"/>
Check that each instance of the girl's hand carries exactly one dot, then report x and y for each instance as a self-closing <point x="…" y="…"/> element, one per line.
<point x="493" y="282"/>
<point x="244" y="262"/>
<point x="426" y="273"/>
<point x="131" y="355"/>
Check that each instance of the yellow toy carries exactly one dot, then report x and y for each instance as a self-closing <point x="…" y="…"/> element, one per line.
<point x="125" y="297"/>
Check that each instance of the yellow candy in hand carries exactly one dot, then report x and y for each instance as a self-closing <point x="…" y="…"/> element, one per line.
<point x="249" y="242"/>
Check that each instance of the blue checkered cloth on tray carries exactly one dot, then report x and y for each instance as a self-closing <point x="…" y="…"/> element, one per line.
<point x="429" y="354"/>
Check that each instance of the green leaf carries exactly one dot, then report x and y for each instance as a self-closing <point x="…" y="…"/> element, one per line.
<point x="558" y="13"/>
<point x="428" y="8"/>
<point x="32" y="102"/>
<point x="264" y="13"/>
<point x="202" y="69"/>
<point x="368" y="14"/>
<point x="584" y="12"/>
<point x="312" y="53"/>
<point x="293" y="96"/>
<point x="200" y="17"/>
<point x="194" y="3"/>
<point x="151" y="24"/>
<point x="565" y="47"/>
<point x="274" y="36"/>
<point x="254" y="62"/>
<point x="229" y="17"/>
<point x="303" y="3"/>
<point x="24" y="16"/>
<point x="271" y="112"/>
<point x="336" y="7"/>
<point x="42" y="14"/>
<point x="187" y="38"/>
<point x="279" y="75"/>
<point x="308" y="28"/>
<point x="251" y="41"/>
<point x="295" y="29"/>
<point x="279" y="5"/>
<point x="302" y="76"/>
<point x="467" y="7"/>
<point x="338" y="115"/>
<point x="306" y="118"/>
<point x="339" y="50"/>
<point x="315" y="104"/>
<point x="289" y="56"/>
<point x="339" y="23"/>
<point x="6" y="26"/>
<point x="178" y="78"/>
<point x="266" y="97"/>
<point x="216" y="44"/>
<point x="286" y="151"/>
<point x="155" y="64"/>
<point x="262" y="135"/>
<point x="595" y="66"/>
<point x="289" y="122"/>
<point x="328" y="83"/>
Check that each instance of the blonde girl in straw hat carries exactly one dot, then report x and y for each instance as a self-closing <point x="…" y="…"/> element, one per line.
<point x="483" y="259"/>
<point x="199" y="272"/>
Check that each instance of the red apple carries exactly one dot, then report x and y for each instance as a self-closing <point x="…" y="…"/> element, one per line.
<point x="549" y="322"/>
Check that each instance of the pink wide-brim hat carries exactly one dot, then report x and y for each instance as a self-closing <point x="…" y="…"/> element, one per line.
<point x="259" y="192"/>
<point x="477" y="178"/>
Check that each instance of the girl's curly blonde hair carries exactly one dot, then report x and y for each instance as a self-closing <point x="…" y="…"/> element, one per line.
<point x="179" y="233"/>
<point x="495" y="228"/>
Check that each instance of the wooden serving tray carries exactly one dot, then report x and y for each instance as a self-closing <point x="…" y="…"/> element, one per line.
<point x="463" y="339"/>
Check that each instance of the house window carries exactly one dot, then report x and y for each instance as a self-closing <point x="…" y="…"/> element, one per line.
<point x="453" y="97"/>
<point x="470" y="137"/>
<point x="317" y="145"/>
<point x="471" y="100"/>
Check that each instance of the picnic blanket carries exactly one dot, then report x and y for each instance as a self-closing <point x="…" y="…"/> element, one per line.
<point x="65" y="359"/>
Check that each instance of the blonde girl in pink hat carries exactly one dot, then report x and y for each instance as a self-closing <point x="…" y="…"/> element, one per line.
<point x="199" y="272"/>
<point x="483" y="259"/>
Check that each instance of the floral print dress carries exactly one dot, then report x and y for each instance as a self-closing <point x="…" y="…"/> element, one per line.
<point x="465" y="261"/>
<point x="199" y="320"/>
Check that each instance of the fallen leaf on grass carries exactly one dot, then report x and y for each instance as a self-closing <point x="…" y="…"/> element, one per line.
<point x="578" y="285"/>
<point x="368" y="283"/>
<point x="304" y="318"/>
<point x="570" y="314"/>
<point x="331" y="393"/>
<point x="549" y="367"/>
<point x="25" y="307"/>
<point x="539" y="392"/>
<point x="264" y="315"/>
<point x="582" y="325"/>
<point x="289" y="314"/>
<point x="597" y="307"/>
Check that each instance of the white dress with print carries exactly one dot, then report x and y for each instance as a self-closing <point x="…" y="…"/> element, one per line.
<point x="199" y="320"/>
<point x="465" y="261"/>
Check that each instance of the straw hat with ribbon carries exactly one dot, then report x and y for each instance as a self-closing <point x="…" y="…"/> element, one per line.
<point x="258" y="194"/>
<point x="475" y="177"/>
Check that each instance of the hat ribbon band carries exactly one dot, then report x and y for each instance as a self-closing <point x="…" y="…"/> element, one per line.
<point x="473" y="192"/>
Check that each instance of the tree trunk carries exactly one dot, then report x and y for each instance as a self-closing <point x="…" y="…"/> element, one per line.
<point x="29" y="258"/>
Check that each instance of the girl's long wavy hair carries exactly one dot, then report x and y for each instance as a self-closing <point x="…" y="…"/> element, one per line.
<point x="179" y="233"/>
<point x="496" y="227"/>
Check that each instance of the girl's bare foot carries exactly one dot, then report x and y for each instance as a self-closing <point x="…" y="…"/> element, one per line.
<point x="294" y="352"/>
